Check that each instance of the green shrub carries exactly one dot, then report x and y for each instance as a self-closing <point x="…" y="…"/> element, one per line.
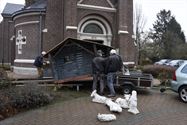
<point x="30" y="96"/>
<point x="5" y="83"/>
<point x="15" y="99"/>
<point x="146" y="62"/>
<point x="159" y="71"/>
<point x="5" y="67"/>
<point x="1" y="73"/>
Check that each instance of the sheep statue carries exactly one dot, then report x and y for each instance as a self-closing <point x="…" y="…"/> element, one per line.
<point x="106" y="117"/>
<point x="97" y="98"/>
<point x="124" y="103"/>
<point x="114" y="107"/>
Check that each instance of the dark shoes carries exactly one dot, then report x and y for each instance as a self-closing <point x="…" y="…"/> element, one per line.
<point x="111" y="95"/>
<point x="101" y="94"/>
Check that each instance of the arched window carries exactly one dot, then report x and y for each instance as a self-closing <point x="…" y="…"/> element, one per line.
<point x="93" y="28"/>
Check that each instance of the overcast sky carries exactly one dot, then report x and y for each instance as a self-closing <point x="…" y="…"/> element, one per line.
<point x="3" y="3"/>
<point x="149" y="7"/>
<point x="178" y="9"/>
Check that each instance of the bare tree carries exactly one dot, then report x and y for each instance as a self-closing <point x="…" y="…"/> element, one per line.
<point x="139" y="23"/>
<point x="29" y="2"/>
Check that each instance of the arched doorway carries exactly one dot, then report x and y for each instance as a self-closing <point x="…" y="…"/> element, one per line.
<point x="95" y="29"/>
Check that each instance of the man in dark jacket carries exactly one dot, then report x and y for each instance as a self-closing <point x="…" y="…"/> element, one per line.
<point x="113" y="64"/>
<point x="39" y="64"/>
<point x="98" y="71"/>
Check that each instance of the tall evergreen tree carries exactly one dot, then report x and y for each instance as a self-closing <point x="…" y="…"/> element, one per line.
<point x="175" y="27"/>
<point x="167" y="34"/>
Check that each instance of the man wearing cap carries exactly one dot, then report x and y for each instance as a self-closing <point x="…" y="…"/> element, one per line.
<point x="39" y="64"/>
<point x="113" y="64"/>
<point x="98" y="71"/>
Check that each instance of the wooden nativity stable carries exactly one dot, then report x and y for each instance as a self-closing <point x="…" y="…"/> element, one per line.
<point x="71" y="60"/>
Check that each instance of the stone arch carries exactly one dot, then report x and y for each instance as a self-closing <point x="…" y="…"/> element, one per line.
<point x="102" y="31"/>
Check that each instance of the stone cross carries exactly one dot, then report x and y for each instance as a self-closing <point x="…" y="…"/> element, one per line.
<point x="20" y="40"/>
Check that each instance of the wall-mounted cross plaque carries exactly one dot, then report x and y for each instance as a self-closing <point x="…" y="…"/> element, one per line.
<point x="20" y="40"/>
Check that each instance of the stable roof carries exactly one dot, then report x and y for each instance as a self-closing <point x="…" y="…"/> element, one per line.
<point x="61" y="44"/>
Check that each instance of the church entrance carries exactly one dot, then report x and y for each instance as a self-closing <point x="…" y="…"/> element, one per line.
<point x="94" y="28"/>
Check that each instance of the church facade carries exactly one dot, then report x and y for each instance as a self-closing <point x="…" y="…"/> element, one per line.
<point x="44" y="24"/>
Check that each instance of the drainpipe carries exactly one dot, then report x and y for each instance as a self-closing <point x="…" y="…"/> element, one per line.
<point x="14" y="46"/>
<point x="63" y="36"/>
<point x="3" y="43"/>
<point x="40" y="35"/>
<point x="9" y="43"/>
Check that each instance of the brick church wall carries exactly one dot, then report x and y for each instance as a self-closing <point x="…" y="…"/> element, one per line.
<point x="66" y="13"/>
<point x="125" y="16"/>
<point x="61" y="14"/>
<point x="5" y="27"/>
<point x="32" y="47"/>
<point x="70" y="18"/>
<point x="54" y="24"/>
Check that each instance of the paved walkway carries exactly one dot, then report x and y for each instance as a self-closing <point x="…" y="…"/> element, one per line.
<point x="155" y="109"/>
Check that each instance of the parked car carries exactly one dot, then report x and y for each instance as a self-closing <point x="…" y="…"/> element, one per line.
<point x="175" y="63"/>
<point x="179" y="82"/>
<point x="162" y="62"/>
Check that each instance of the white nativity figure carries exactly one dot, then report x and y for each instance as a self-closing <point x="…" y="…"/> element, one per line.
<point x="124" y="103"/>
<point x="106" y="117"/>
<point x="97" y="98"/>
<point x="133" y="103"/>
<point x="114" y="107"/>
<point x="127" y="97"/>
